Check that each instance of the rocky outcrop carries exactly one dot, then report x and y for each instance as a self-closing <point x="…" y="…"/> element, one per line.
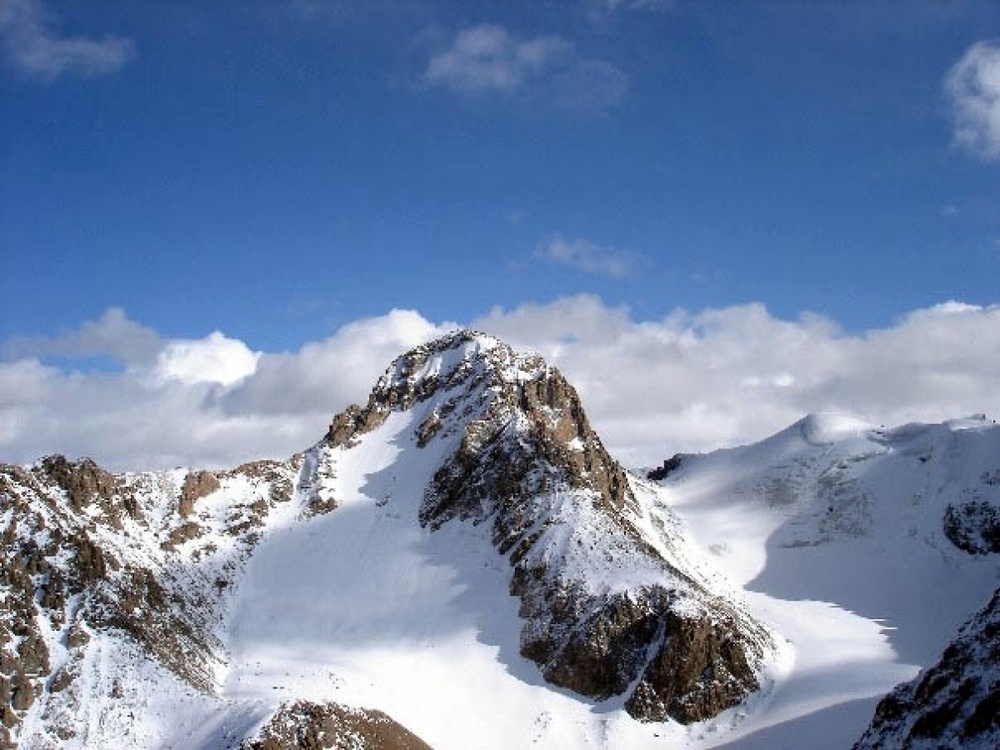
<point x="303" y="725"/>
<point x="973" y="527"/>
<point x="76" y="560"/>
<point x="197" y="484"/>
<point x="605" y="614"/>
<point x="955" y="703"/>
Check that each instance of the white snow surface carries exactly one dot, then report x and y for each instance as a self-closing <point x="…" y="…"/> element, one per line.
<point x="829" y="532"/>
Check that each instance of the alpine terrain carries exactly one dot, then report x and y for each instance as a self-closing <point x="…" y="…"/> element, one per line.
<point x="460" y="563"/>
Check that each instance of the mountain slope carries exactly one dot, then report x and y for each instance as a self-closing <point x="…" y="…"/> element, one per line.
<point x="865" y="547"/>
<point x="462" y="540"/>
<point x="479" y="520"/>
<point x="462" y="554"/>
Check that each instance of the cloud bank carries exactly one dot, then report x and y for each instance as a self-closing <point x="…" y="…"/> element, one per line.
<point x="686" y="382"/>
<point x="973" y="88"/>
<point x="33" y="47"/>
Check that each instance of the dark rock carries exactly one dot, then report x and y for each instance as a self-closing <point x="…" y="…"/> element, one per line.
<point x="669" y="466"/>
<point x="84" y="482"/>
<point x="9" y="719"/>
<point x="700" y="669"/>
<point x="185" y="532"/>
<point x="973" y="527"/>
<point x="22" y="693"/>
<point x="61" y="680"/>
<point x="954" y="703"/>
<point x="311" y="726"/>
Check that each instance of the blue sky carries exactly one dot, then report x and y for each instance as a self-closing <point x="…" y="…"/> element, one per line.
<point x="276" y="169"/>
<point x="280" y="173"/>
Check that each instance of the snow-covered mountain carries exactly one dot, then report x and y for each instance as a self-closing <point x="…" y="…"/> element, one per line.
<point x="460" y="563"/>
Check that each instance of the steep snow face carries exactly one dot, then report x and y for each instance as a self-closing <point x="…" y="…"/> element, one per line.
<point x="866" y="547"/>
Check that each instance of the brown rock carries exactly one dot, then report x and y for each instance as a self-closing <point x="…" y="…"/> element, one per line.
<point x="312" y="726"/>
<point x="197" y="484"/>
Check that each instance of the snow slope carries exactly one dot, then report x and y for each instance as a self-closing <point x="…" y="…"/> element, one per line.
<point x="834" y="529"/>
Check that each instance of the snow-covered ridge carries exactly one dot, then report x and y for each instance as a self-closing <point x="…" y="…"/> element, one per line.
<point x="462" y="553"/>
<point x="894" y="530"/>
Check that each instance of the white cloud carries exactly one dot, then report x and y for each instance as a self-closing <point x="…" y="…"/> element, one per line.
<point x="214" y="359"/>
<point x="488" y="58"/>
<point x="973" y="87"/>
<point x="542" y="72"/>
<point x="202" y="402"/>
<point x="685" y="382"/>
<point x="35" y="49"/>
<point x="588" y="257"/>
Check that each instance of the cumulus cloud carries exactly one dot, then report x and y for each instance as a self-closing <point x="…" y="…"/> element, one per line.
<point x="215" y="359"/>
<point x="195" y="402"/>
<point x="602" y="260"/>
<point x="973" y="88"/>
<point x="688" y="381"/>
<point x="541" y="72"/>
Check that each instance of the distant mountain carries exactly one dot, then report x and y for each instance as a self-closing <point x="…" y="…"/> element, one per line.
<point x="866" y="547"/>
<point x="460" y="563"/>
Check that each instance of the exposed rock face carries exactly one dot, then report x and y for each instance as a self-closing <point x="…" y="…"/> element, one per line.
<point x="973" y="527"/>
<point x="197" y="484"/>
<point x="605" y="612"/>
<point x="955" y="703"/>
<point x="311" y="726"/>
<point x="79" y="557"/>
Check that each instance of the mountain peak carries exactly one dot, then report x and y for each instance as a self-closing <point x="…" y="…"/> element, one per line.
<point x="607" y="600"/>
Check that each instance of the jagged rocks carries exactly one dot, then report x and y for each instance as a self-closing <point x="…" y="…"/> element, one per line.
<point x="955" y="703"/>
<point x="75" y="562"/>
<point x="701" y="667"/>
<point x="973" y="527"/>
<point x="669" y="466"/>
<point x="84" y="481"/>
<point x="310" y="726"/>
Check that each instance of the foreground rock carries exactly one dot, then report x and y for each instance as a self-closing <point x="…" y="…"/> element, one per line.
<point x="955" y="703"/>
<point x="311" y="726"/>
